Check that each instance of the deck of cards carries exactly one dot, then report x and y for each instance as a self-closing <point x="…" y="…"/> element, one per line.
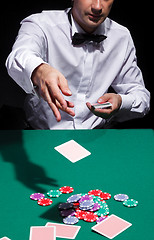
<point x="101" y="105"/>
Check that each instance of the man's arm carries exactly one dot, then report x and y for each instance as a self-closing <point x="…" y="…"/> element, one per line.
<point x="27" y="65"/>
<point x="132" y="99"/>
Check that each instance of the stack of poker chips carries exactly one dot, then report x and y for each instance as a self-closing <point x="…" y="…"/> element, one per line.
<point x="89" y="207"/>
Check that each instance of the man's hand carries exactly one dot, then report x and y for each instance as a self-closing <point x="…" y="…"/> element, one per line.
<point x="113" y="98"/>
<point x="50" y="82"/>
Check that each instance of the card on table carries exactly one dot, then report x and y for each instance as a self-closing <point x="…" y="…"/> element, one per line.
<point x="72" y="151"/>
<point x="111" y="226"/>
<point x="65" y="231"/>
<point x="5" y="238"/>
<point x="42" y="233"/>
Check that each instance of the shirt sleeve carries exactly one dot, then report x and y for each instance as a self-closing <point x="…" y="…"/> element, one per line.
<point x="27" y="54"/>
<point x="130" y="86"/>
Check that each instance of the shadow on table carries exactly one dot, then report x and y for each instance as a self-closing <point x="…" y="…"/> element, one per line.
<point x="28" y="173"/>
<point x="52" y="214"/>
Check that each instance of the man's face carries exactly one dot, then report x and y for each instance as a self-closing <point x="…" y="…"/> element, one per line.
<point x="89" y="14"/>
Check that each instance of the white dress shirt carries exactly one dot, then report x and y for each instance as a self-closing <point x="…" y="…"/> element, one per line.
<point x="90" y="69"/>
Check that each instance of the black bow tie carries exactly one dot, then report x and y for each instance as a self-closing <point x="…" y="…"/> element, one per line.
<point x="80" y="38"/>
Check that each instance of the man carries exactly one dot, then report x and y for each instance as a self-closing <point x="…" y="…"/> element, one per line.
<point x="69" y="73"/>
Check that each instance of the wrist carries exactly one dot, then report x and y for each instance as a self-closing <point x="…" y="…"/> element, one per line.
<point x="36" y="74"/>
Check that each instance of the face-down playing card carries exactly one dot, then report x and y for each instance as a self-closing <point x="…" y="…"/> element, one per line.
<point x="42" y="233"/>
<point x="5" y="238"/>
<point x="65" y="231"/>
<point x="72" y="151"/>
<point x="111" y="226"/>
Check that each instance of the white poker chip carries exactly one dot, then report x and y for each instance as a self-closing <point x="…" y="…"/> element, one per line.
<point x="120" y="197"/>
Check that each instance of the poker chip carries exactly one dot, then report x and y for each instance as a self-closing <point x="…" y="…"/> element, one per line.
<point x="54" y="193"/>
<point x="121" y="197"/>
<point x="103" y="204"/>
<point x="95" y="207"/>
<point x="70" y="220"/>
<point x="90" y="217"/>
<point x="105" y="195"/>
<point x="103" y="212"/>
<point x="76" y="205"/>
<point x="80" y="214"/>
<point x="130" y="203"/>
<point x="95" y="192"/>
<point x="67" y="212"/>
<point x="64" y="206"/>
<point x="66" y="189"/>
<point x="44" y="202"/>
<point x="85" y="197"/>
<point x="96" y="199"/>
<point x="100" y="219"/>
<point x="74" y="198"/>
<point x="37" y="196"/>
<point x="86" y="205"/>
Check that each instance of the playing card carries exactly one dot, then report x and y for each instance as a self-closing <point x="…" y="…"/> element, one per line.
<point x="111" y="226"/>
<point x="65" y="231"/>
<point x="42" y="233"/>
<point x="5" y="238"/>
<point x="72" y="151"/>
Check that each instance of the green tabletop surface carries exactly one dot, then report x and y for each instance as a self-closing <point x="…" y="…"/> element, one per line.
<point x="121" y="161"/>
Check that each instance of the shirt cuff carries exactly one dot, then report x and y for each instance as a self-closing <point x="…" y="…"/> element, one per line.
<point x="127" y="101"/>
<point x="31" y="64"/>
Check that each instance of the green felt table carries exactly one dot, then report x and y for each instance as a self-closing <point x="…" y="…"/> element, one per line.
<point x="121" y="161"/>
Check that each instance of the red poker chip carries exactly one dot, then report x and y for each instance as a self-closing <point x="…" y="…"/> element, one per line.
<point x="66" y="189"/>
<point x="44" y="202"/>
<point x="95" y="192"/>
<point x="80" y="214"/>
<point x="105" y="195"/>
<point x="90" y="217"/>
<point x="76" y="205"/>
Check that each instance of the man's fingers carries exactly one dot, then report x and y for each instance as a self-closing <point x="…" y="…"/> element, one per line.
<point x="63" y="85"/>
<point x="55" y="94"/>
<point x="68" y="109"/>
<point x="46" y="96"/>
<point x="104" y="98"/>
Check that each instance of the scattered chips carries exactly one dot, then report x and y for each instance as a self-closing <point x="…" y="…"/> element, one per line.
<point x="66" y="189"/>
<point x="105" y="195"/>
<point x="130" y="203"/>
<point x="70" y="220"/>
<point x="120" y="197"/>
<point x="80" y="214"/>
<point x="103" y="211"/>
<point x="64" y="206"/>
<point x="100" y="219"/>
<point x="95" y="192"/>
<point x="86" y="205"/>
<point x="44" y="202"/>
<point x="90" y="217"/>
<point x="37" y="196"/>
<point x="74" y="198"/>
<point x="67" y="212"/>
<point x="54" y="193"/>
<point x="89" y="207"/>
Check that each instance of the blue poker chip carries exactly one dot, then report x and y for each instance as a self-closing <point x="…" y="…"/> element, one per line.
<point x="70" y="220"/>
<point x="121" y="197"/>
<point x="74" y="198"/>
<point x="86" y="205"/>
